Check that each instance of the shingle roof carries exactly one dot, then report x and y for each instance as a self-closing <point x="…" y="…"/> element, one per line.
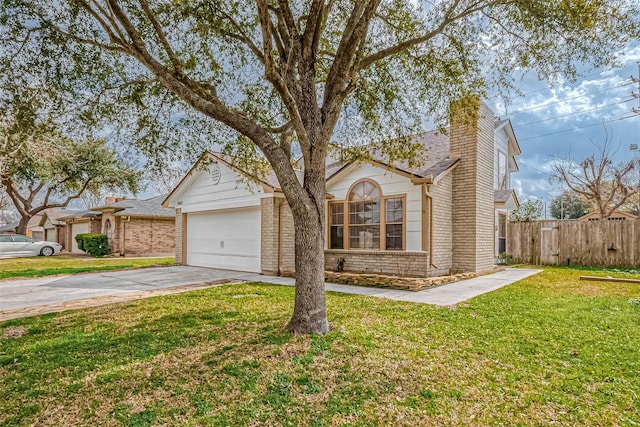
<point x="80" y="214"/>
<point x="503" y="196"/>
<point x="148" y="208"/>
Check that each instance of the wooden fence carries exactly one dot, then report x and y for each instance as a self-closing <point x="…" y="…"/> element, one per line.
<point x="572" y="242"/>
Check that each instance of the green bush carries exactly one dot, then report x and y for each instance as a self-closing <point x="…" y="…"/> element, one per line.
<point x="96" y="245"/>
<point x="80" y="240"/>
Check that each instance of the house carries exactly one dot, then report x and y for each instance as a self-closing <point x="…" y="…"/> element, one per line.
<point x="614" y="216"/>
<point x="133" y="227"/>
<point x="439" y="218"/>
<point x="34" y="230"/>
<point x="55" y="229"/>
<point x="80" y="222"/>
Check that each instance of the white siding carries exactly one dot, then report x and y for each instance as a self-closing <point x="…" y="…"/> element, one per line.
<point x="501" y="144"/>
<point x="391" y="184"/>
<point x="201" y="194"/>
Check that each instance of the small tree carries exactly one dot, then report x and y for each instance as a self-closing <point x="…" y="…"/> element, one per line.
<point x="568" y="205"/>
<point x="597" y="178"/>
<point x="530" y="210"/>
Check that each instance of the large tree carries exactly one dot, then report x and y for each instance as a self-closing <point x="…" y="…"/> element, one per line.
<point x="301" y="72"/>
<point x="41" y="169"/>
<point x="605" y="183"/>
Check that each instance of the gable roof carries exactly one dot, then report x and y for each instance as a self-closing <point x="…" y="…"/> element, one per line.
<point x="503" y="197"/>
<point x="55" y="216"/>
<point x="79" y="215"/>
<point x="141" y="208"/>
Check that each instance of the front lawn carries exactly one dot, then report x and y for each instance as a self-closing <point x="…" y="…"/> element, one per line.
<point x="547" y="350"/>
<point x="60" y="264"/>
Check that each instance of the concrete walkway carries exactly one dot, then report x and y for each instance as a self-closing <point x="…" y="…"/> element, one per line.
<point x="28" y="297"/>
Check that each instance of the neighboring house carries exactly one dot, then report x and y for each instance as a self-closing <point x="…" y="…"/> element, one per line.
<point x="385" y="218"/>
<point x="55" y="229"/>
<point x="80" y="222"/>
<point x="133" y="227"/>
<point x="614" y="216"/>
<point x="34" y="230"/>
<point x="138" y="227"/>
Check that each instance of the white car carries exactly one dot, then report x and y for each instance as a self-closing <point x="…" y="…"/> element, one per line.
<point x="17" y="244"/>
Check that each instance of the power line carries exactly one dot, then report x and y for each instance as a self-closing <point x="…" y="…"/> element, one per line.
<point x="574" y="113"/>
<point x="630" y="82"/>
<point x="576" y="128"/>
<point x="581" y="78"/>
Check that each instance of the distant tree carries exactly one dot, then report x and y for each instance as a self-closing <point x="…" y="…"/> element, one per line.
<point x="597" y="178"/>
<point x="42" y="169"/>
<point x="568" y="205"/>
<point x="302" y="72"/>
<point x="528" y="211"/>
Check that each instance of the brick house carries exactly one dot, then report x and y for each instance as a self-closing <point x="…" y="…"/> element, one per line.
<point x="439" y="218"/>
<point x="133" y="227"/>
<point x="55" y="229"/>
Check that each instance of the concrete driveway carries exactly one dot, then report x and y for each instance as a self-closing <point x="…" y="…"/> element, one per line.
<point x="25" y="297"/>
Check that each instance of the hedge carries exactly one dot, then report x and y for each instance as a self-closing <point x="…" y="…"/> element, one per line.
<point x="96" y="245"/>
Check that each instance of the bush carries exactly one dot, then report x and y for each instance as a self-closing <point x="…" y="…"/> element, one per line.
<point x="80" y="240"/>
<point x="96" y="245"/>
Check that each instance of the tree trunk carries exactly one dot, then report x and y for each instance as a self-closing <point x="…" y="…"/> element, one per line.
<point x="22" y="225"/>
<point x="309" y="311"/>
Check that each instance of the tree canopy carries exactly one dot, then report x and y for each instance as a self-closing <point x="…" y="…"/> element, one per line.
<point x="568" y="205"/>
<point x="261" y="77"/>
<point x="42" y="169"/>
<point x="531" y="210"/>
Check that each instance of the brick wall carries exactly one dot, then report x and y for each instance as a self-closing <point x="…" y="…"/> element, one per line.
<point x="409" y="264"/>
<point x="472" y="136"/>
<point x="148" y="236"/>
<point x="277" y="245"/>
<point x="442" y="226"/>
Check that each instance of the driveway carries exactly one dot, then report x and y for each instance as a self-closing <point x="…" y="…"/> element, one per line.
<point x="25" y="297"/>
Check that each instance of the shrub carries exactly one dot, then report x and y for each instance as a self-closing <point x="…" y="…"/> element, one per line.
<point x="80" y="240"/>
<point x="96" y="245"/>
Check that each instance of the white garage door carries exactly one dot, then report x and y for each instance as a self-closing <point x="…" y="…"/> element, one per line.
<point x="228" y="239"/>
<point x="50" y="234"/>
<point x="77" y="229"/>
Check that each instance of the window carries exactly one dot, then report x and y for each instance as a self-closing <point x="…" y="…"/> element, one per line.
<point x="394" y="216"/>
<point x="367" y="220"/>
<point x="21" y="239"/>
<point x="364" y="216"/>
<point x="336" y="225"/>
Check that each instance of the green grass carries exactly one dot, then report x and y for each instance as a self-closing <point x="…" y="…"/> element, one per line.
<point x="48" y="266"/>
<point x="547" y="350"/>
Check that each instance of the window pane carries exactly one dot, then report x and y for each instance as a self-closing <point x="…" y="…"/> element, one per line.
<point x="364" y="191"/>
<point x="394" y="237"/>
<point x="394" y="216"/>
<point x="21" y="239"/>
<point x="337" y="237"/>
<point x="364" y="237"/>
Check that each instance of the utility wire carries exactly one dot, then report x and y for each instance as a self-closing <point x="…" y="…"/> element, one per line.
<point x="576" y="128"/>
<point x="630" y="82"/>
<point x="574" y="113"/>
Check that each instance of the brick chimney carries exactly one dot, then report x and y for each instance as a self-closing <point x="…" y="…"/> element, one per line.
<point x="113" y="199"/>
<point x="472" y="137"/>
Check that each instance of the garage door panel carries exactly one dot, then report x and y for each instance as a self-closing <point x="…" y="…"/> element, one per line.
<point x="77" y="229"/>
<point x="228" y="239"/>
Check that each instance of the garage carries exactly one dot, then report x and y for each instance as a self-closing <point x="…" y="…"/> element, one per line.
<point x="82" y="227"/>
<point x="227" y="239"/>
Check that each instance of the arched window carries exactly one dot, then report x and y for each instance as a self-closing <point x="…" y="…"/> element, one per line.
<point x="366" y="215"/>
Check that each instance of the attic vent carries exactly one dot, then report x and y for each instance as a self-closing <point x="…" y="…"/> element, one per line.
<point x="215" y="174"/>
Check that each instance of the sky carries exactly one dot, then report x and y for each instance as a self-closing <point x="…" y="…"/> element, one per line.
<point x="566" y="119"/>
